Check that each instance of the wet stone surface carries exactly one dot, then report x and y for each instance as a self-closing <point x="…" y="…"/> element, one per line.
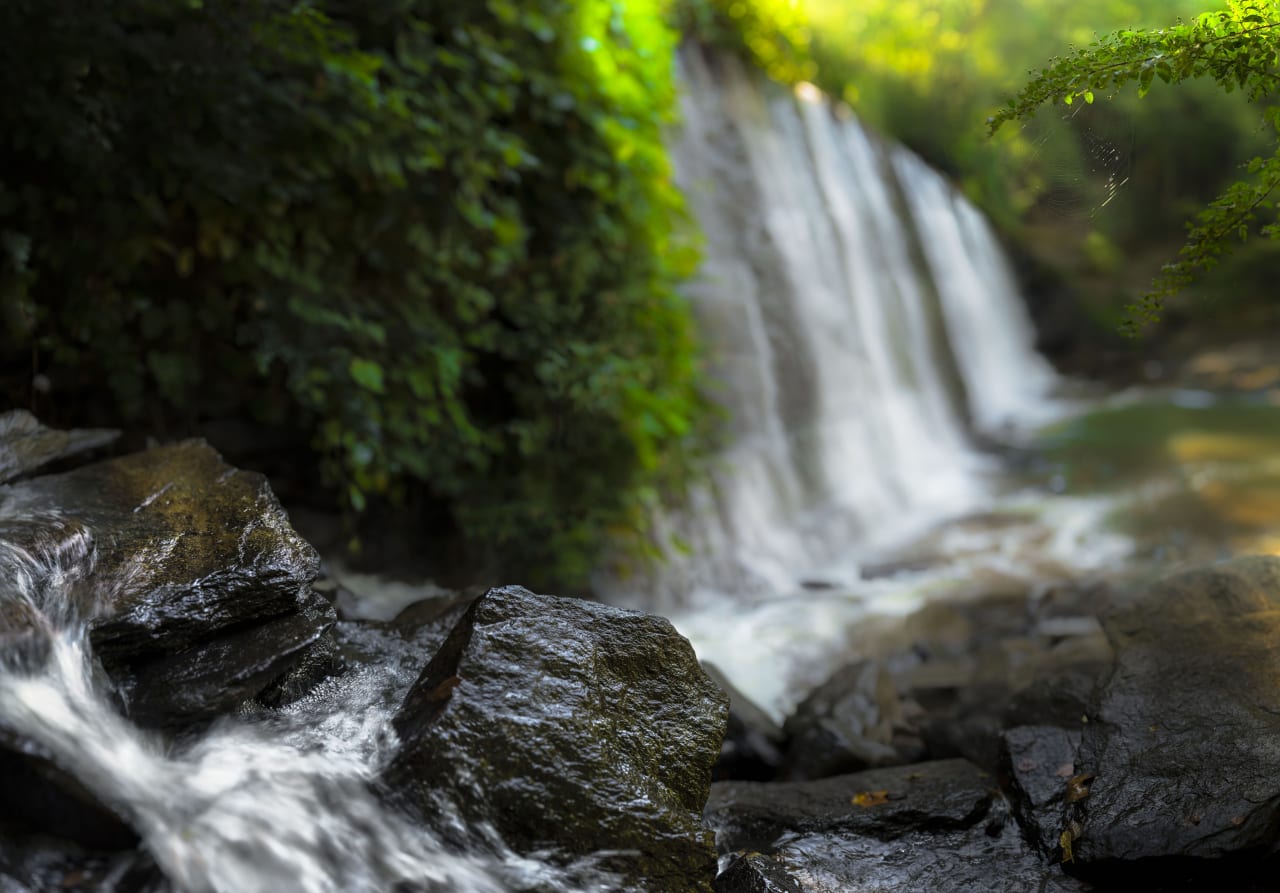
<point x="937" y="826"/>
<point x="844" y="725"/>
<point x="573" y="728"/>
<point x="1185" y="739"/>
<point x="195" y="590"/>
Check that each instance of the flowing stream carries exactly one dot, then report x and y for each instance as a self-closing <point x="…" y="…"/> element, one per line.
<point x="281" y="803"/>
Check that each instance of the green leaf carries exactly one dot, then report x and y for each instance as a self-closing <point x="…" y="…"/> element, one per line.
<point x="368" y="375"/>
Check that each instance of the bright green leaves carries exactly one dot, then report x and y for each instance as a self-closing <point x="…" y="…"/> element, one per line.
<point x="773" y="35"/>
<point x="1236" y="48"/>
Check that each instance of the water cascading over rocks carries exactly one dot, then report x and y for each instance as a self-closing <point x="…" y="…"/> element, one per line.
<point x="862" y="323"/>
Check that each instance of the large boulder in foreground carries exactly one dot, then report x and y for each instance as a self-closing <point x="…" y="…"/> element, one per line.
<point x="937" y="826"/>
<point x="1184" y="745"/>
<point x="571" y="727"/>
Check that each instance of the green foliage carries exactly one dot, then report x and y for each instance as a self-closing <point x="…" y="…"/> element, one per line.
<point x="442" y="238"/>
<point x="1236" y="48"/>
<point x="772" y="35"/>
<point x="929" y="71"/>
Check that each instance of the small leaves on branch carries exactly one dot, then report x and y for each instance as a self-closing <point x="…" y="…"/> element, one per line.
<point x="1239" y="49"/>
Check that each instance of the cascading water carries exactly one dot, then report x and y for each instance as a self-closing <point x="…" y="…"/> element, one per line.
<point x="284" y="802"/>
<point x="863" y="325"/>
<point x="990" y="332"/>
<point x="859" y="315"/>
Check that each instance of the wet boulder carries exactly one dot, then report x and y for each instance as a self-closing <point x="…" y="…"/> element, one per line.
<point x="572" y="728"/>
<point x="1018" y="661"/>
<point x="195" y="591"/>
<point x="937" y="826"/>
<point x="844" y="725"/>
<point x="1183" y="748"/>
<point x="26" y="445"/>
<point x="194" y="584"/>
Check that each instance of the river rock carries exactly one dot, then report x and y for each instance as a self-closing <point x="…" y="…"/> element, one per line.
<point x="937" y="826"/>
<point x="571" y="727"/>
<point x="755" y="873"/>
<point x="195" y="588"/>
<point x="41" y="797"/>
<point x="844" y="725"/>
<point x="1184" y="744"/>
<point x="1040" y="773"/>
<point x="198" y="588"/>
<point x="752" y="748"/>
<point x="26" y="445"/>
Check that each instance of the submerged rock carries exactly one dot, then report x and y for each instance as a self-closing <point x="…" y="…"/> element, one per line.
<point x="570" y="727"/>
<point x="936" y="826"/>
<point x="1184" y="744"/>
<point x="26" y="445"/>
<point x="42" y="797"/>
<point x="40" y="865"/>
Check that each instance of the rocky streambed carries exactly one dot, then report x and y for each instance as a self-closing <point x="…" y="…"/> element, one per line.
<point x="182" y="708"/>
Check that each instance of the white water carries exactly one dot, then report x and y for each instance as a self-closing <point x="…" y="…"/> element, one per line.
<point x="281" y="803"/>
<point x="859" y="315"/>
<point x="864" y="326"/>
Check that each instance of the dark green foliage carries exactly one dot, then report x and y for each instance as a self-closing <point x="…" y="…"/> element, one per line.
<point x="1236" y="48"/>
<point x="439" y="237"/>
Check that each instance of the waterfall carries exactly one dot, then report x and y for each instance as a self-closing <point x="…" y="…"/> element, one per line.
<point x="862" y="323"/>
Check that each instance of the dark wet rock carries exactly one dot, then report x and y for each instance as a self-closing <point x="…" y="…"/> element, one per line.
<point x="977" y="669"/>
<point x="1039" y="766"/>
<point x="1185" y="740"/>
<point x="320" y="660"/>
<point x="844" y="725"/>
<point x="208" y="680"/>
<point x="1061" y="698"/>
<point x="26" y="445"/>
<point x="196" y="587"/>
<point x="755" y="873"/>
<point x="39" y="796"/>
<point x="199" y="585"/>
<point x="572" y="727"/>
<point x="428" y="622"/>
<point x="752" y="748"/>
<point x="937" y="826"/>
<point x="41" y="865"/>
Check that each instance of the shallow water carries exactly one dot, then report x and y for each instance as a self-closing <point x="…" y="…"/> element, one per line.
<point x="1134" y="485"/>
